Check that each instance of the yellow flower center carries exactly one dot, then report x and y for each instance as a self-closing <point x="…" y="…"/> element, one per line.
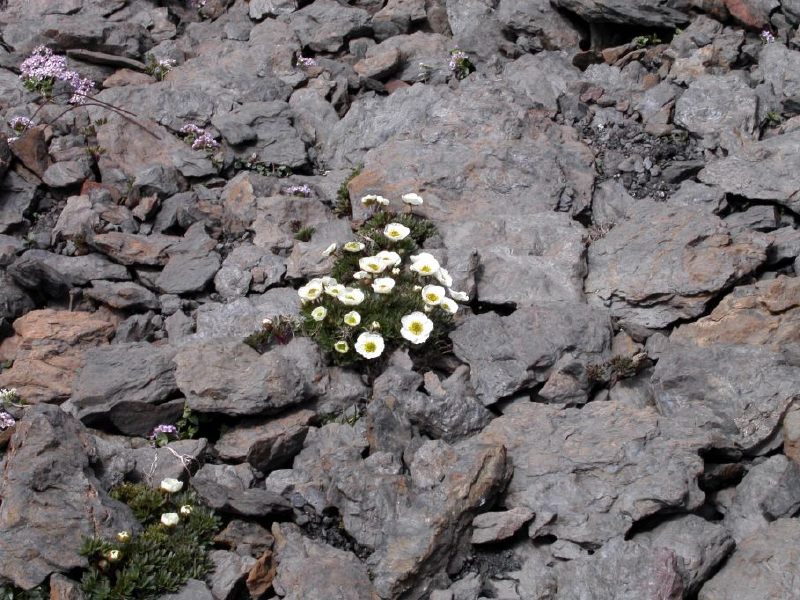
<point x="370" y="347"/>
<point x="416" y="328"/>
<point x="432" y="297"/>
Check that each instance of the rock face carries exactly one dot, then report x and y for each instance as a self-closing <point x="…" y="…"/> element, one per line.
<point x="647" y="13"/>
<point x="51" y="498"/>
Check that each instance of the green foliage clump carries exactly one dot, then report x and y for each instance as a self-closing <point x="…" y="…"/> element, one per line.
<point x="643" y="41"/>
<point x="278" y="330"/>
<point x="616" y="368"/>
<point x="157" y="560"/>
<point x="9" y="592"/>
<point x="342" y="207"/>
<point x="351" y="310"/>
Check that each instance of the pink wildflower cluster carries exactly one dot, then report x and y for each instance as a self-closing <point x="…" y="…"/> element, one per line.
<point x="199" y="137"/>
<point x="6" y="420"/>
<point x="297" y="190"/>
<point x="43" y="68"/>
<point x="163" y="430"/>
<point x="306" y="62"/>
<point x="455" y="57"/>
<point x="20" y="124"/>
<point x="767" y="37"/>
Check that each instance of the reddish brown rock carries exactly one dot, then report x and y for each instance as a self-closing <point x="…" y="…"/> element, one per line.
<point x="132" y="249"/>
<point x="31" y="150"/>
<point x="379" y="66"/>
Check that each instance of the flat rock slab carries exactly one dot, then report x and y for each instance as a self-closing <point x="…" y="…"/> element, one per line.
<point x="521" y="349"/>
<point x="135" y="249"/>
<point x="230" y="489"/>
<point x="242" y="317"/>
<point x="666" y="263"/>
<point x="336" y="573"/>
<point x="324" y="25"/>
<point x="646" y="13"/>
<point x="765" y="565"/>
<point x="52" y="499"/>
<point x="497" y="526"/>
<point x="590" y="474"/>
<point x="17" y="198"/>
<point x="732" y="395"/>
<point x="56" y="274"/>
<point x="765" y="170"/>
<point x="124" y="295"/>
<point x="766" y="314"/>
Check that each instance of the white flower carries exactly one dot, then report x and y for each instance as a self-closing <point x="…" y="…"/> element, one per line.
<point x="326" y="281"/>
<point x="449" y="305"/>
<point x="460" y="296"/>
<point x="383" y="285"/>
<point x="334" y="290"/>
<point x="352" y="318"/>
<point x="171" y="485"/>
<point x="370" y="345"/>
<point x="416" y="327"/>
<point x="382" y="201"/>
<point x="443" y="277"/>
<point x="395" y="271"/>
<point x="360" y="275"/>
<point x="319" y="313"/>
<point x="372" y="264"/>
<point x="266" y="322"/>
<point x="424" y="264"/>
<point x="330" y="249"/>
<point x="341" y="347"/>
<point x="375" y="326"/>
<point x="396" y="231"/>
<point x="311" y="290"/>
<point x="432" y="294"/>
<point x="353" y="246"/>
<point x="371" y="199"/>
<point x="114" y="555"/>
<point x="186" y="510"/>
<point x="170" y="519"/>
<point x="392" y="259"/>
<point x="124" y="537"/>
<point x="412" y="199"/>
<point x="351" y="297"/>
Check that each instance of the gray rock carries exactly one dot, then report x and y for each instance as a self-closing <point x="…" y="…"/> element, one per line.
<point x="242" y="317"/>
<point x="778" y="65"/>
<point x="665" y="263"/>
<point x="229" y="489"/>
<point x="122" y="295"/>
<point x="10" y="247"/>
<point x="192" y="263"/>
<point x="733" y="396"/>
<point x="567" y="468"/>
<point x="706" y="111"/>
<point x="14" y="302"/>
<point x="232" y="282"/>
<point x="475" y="27"/>
<point x="336" y="573"/>
<point x="258" y="9"/>
<point x="769" y="491"/>
<point x="227" y="376"/>
<point x="520" y="350"/>
<point x="230" y="570"/>
<point x="538" y="19"/>
<point x="396" y="17"/>
<point x="646" y="13"/>
<point x="701" y="544"/>
<point x="55" y="274"/>
<point x="324" y="25"/>
<point x="267" y="444"/>
<point x="540" y="79"/>
<point x="696" y="195"/>
<point x="123" y="374"/>
<point x="245" y="537"/>
<point x="765" y="170"/>
<point x="192" y="590"/>
<point x="51" y="498"/>
<point x="66" y="173"/>
<point x="765" y="565"/>
<point x="785" y="244"/>
<point x="497" y="526"/>
<point x="17" y="197"/>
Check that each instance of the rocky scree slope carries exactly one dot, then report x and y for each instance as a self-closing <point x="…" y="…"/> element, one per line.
<point x="616" y="188"/>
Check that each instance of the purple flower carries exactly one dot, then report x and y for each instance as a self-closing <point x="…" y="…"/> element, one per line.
<point x="205" y="141"/>
<point x="306" y="62"/>
<point x="298" y="190"/>
<point x="163" y="430"/>
<point x="6" y="420"/>
<point x="455" y="57"/>
<point x="20" y="124"/>
<point x="192" y="129"/>
<point x="43" y="68"/>
<point x="767" y="36"/>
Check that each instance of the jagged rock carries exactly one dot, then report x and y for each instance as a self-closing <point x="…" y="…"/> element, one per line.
<point x="520" y="350"/>
<point x="701" y="544"/>
<point x="228" y="489"/>
<point x="697" y="195"/>
<point x="245" y="537"/>
<point x="192" y="264"/>
<point x="563" y="466"/>
<point x="791" y="433"/>
<point x="396" y="17"/>
<point x="734" y="396"/>
<point x="765" y="314"/>
<point x="755" y="218"/>
<point x="645" y="13"/>
<point x="192" y="590"/>
<point x="540" y="79"/>
<point x="666" y="263"/>
<point x="258" y="9"/>
<point x="17" y="198"/>
<point x="50" y="347"/>
<point x="769" y="491"/>
<point x="56" y="274"/>
<point x="227" y="376"/>
<point x="229" y="571"/>
<point x="267" y="444"/>
<point x="379" y="66"/>
<point x="785" y="245"/>
<point x="132" y="249"/>
<point x="14" y="302"/>
<point x="127" y="375"/>
<point x="324" y="25"/>
<point x="764" y="565"/>
<point x="765" y="170"/>
<point x="497" y="526"/>
<point x="9" y="248"/>
<point x="67" y="173"/>
<point x="123" y="295"/>
<point x="476" y="28"/>
<point x="242" y="317"/>
<point x="337" y="573"/>
<point x="706" y="111"/>
<point x="31" y="150"/>
<point x="539" y="21"/>
<point x="51" y="498"/>
<point x="247" y="267"/>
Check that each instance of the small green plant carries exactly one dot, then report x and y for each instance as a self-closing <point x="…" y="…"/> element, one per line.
<point x="772" y="118"/>
<point x="303" y="234"/>
<point x="158" y="68"/>
<point x="277" y="330"/>
<point x="616" y="368"/>
<point x="189" y="424"/>
<point x="343" y="208"/>
<point x="9" y="592"/>
<point x="171" y="548"/>
<point x="383" y="292"/>
<point x="643" y="41"/>
<point x="460" y="64"/>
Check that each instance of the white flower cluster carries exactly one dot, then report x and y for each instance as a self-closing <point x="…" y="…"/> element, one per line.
<point x="8" y="396"/>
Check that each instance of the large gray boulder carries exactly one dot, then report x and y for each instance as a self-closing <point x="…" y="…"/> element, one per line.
<point x="56" y="274"/>
<point x="645" y="13"/>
